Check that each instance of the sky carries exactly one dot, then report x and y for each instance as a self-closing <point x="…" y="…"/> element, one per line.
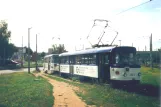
<point x="72" y="20"/>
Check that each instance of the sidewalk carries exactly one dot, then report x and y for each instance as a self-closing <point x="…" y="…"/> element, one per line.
<point x="64" y="95"/>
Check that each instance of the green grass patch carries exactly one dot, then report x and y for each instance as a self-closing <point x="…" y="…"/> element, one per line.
<point x="150" y="76"/>
<point x="106" y="96"/>
<point x="25" y="90"/>
<point x="33" y="64"/>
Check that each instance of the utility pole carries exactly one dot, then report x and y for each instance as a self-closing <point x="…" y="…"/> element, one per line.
<point x="29" y="50"/>
<point x="22" y="54"/>
<point x="36" y="53"/>
<point x="120" y="42"/>
<point x="4" y="57"/>
<point x="160" y="58"/>
<point x="151" y="59"/>
<point x="145" y="47"/>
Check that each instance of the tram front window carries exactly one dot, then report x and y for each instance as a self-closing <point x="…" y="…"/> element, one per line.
<point x="125" y="59"/>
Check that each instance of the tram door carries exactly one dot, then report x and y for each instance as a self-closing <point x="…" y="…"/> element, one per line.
<point x="104" y="67"/>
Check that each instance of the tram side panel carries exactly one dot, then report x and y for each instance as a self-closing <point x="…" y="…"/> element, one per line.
<point x="64" y="69"/>
<point x="83" y="70"/>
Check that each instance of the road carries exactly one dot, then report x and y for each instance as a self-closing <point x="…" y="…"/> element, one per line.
<point x="17" y="70"/>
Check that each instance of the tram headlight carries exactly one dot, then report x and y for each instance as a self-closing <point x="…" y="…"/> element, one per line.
<point x="125" y="74"/>
<point x="117" y="72"/>
<point x="139" y="74"/>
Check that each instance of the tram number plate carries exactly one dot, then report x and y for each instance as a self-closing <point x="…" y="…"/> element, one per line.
<point x="132" y="74"/>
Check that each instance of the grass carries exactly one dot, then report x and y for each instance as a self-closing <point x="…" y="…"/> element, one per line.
<point x="33" y="64"/>
<point x="150" y="76"/>
<point x="144" y="95"/>
<point x="24" y="90"/>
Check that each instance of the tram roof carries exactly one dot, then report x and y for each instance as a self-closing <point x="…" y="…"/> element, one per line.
<point x="51" y="55"/>
<point x="89" y="51"/>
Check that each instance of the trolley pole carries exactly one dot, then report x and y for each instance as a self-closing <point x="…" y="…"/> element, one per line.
<point x="29" y="50"/>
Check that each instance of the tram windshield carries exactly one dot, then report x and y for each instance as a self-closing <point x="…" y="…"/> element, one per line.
<point x="125" y="57"/>
<point x="55" y="59"/>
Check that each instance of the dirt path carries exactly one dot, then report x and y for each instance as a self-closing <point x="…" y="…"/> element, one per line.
<point x="64" y="95"/>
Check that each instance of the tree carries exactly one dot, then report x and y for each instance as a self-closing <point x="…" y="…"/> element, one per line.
<point x="30" y="50"/>
<point x="26" y="53"/>
<point x="6" y="49"/>
<point x="33" y="57"/>
<point x="11" y="48"/>
<point x="42" y="54"/>
<point x="58" y="49"/>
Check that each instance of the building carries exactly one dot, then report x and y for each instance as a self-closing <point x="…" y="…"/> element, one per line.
<point x="50" y="50"/>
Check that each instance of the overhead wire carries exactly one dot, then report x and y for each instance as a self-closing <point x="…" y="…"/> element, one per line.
<point x="133" y="7"/>
<point x="101" y="20"/>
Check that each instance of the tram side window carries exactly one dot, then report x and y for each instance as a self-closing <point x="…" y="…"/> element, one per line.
<point x="86" y="59"/>
<point x="92" y="59"/>
<point x="55" y="59"/>
<point x="82" y="59"/>
<point x="78" y="59"/>
<point x="71" y="60"/>
<point x="61" y="60"/>
<point x="64" y="60"/>
<point x="106" y="59"/>
<point x="46" y="60"/>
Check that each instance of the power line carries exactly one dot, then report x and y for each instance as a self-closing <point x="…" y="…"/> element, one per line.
<point x="133" y="7"/>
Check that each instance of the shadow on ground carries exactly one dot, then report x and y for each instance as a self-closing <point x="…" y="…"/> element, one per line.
<point x="143" y="89"/>
<point x="9" y="68"/>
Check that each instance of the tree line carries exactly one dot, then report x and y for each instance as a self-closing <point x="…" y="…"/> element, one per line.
<point x="6" y="48"/>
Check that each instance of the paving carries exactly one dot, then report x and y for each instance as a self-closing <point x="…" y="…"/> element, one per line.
<point x="17" y="70"/>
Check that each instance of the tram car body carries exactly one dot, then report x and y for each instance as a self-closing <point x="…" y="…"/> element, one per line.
<point x="113" y="64"/>
<point x="51" y="63"/>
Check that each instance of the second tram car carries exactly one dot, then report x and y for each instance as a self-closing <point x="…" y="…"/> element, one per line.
<point x="114" y="64"/>
<point x="51" y="63"/>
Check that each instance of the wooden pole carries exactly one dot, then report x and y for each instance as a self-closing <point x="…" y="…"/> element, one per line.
<point x="151" y="58"/>
<point x="36" y="53"/>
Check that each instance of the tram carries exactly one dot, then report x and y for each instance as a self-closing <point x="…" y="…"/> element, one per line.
<point x="112" y="64"/>
<point x="51" y="63"/>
